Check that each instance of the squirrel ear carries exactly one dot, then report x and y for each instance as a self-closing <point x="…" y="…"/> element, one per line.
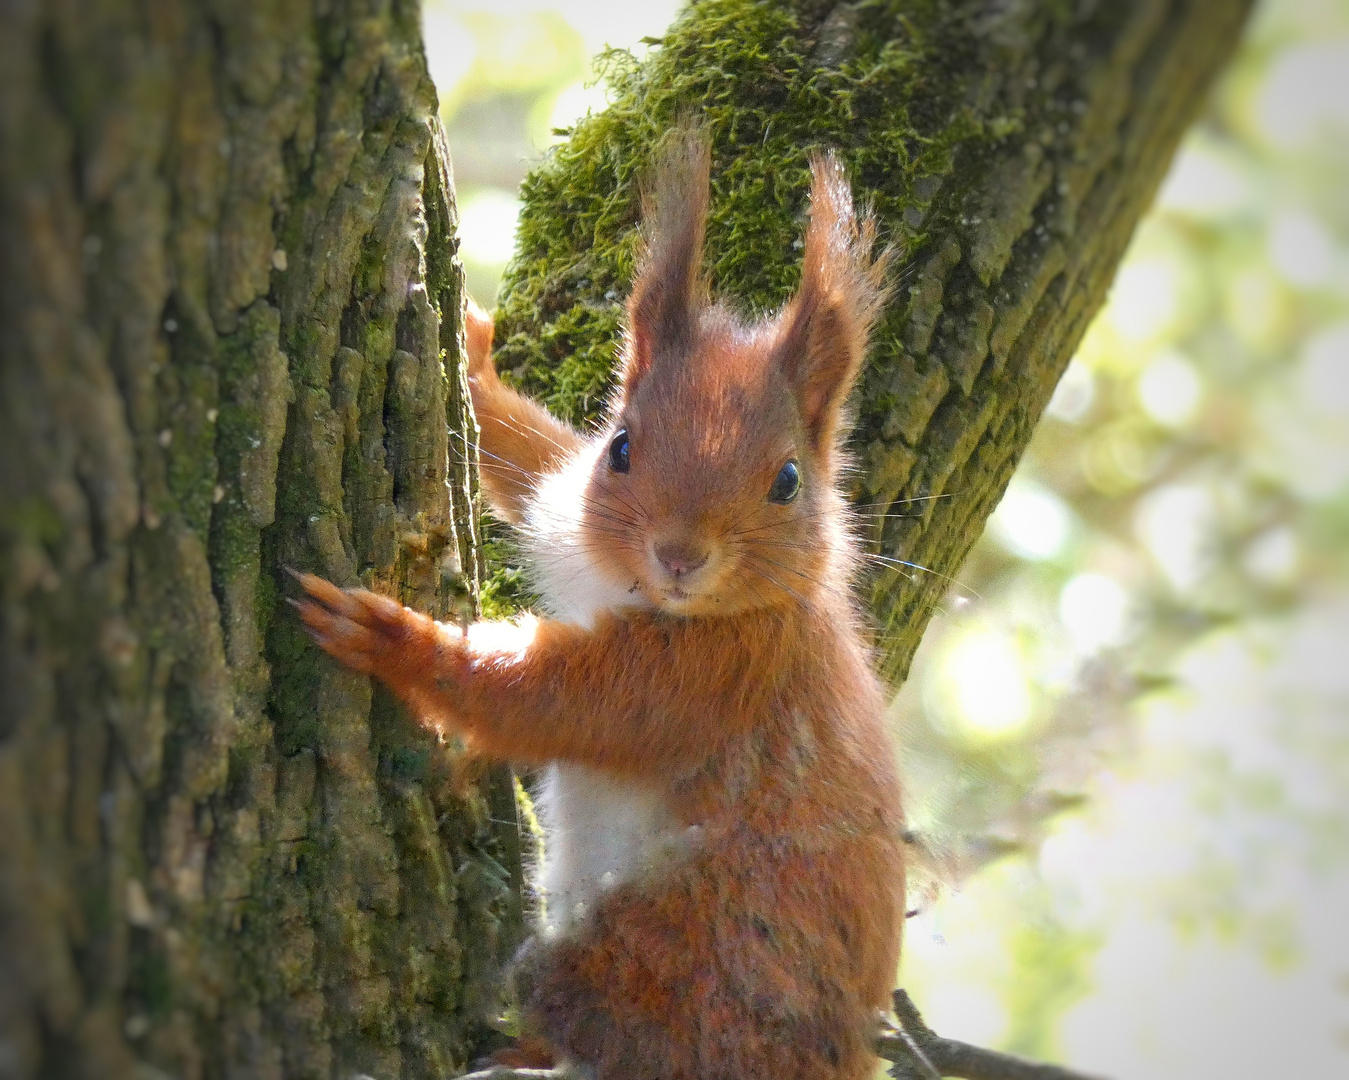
<point x="662" y="309"/>
<point x="822" y="332"/>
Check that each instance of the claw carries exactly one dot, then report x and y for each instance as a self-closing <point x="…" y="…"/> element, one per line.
<point x="343" y="638"/>
<point x="354" y="626"/>
<point x="313" y="615"/>
<point x="326" y="593"/>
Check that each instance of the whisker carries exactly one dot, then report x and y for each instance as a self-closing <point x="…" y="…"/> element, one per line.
<point x="639" y="511"/>
<point x="596" y="508"/>
<point x="504" y="463"/>
<point x="848" y="511"/>
<point x="605" y="527"/>
<point x="558" y="561"/>
<point x="791" y="570"/>
<point x="776" y="583"/>
<point x="510" y="470"/>
<point x="757" y="594"/>
<point x="791" y="545"/>
<point x="906" y="499"/>
<point x="780" y="524"/>
<point x="893" y="563"/>
<point x="608" y="515"/>
<point x="512" y="423"/>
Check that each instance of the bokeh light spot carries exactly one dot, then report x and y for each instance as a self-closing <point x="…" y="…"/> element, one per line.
<point x="1120" y="456"/>
<point x="1305" y="95"/>
<point x="1143" y="301"/>
<point x="1300" y="249"/>
<point x="1031" y="522"/>
<point x="450" y="47"/>
<point x="1272" y="556"/>
<point x="1323" y="378"/>
<point x="985" y="682"/>
<point x="1203" y="184"/>
<point x="1169" y="389"/>
<point x="1094" y="610"/>
<point x="1174" y="522"/>
<point x="487" y="225"/>
<point x="575" y="102"/>
<point x="1257" y="307"/>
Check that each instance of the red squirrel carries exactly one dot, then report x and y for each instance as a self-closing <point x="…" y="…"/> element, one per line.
<point x="723" y="871"/>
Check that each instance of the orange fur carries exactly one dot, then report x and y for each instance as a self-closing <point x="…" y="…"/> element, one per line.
<point x="520" y="439"/>
<point x="736" y="688"/>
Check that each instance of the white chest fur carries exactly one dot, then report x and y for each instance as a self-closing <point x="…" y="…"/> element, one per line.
<point x="598" y="831"/>
<point x="597" y="834"/>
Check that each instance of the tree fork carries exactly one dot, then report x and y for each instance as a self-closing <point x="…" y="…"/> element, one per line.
<point x="229" y="342"/>
<point x="1007" y="149"/>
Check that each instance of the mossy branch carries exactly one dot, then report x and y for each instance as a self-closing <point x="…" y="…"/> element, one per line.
<point x="1007" y="150"/>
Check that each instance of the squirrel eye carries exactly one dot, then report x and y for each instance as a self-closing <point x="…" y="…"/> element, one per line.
<point x="787" y="484"/>
<point x="618" y="451"/>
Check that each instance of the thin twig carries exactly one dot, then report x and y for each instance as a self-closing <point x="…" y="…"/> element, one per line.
<point x="917" y="1066"/>
<point x="918" y="1053"/>
<point x="921" y="1054"/>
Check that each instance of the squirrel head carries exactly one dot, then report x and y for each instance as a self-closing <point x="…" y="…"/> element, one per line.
<point x="715" y="486"/>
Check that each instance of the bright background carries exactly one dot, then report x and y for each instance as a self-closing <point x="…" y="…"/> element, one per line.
<point x="1127" y="734"/>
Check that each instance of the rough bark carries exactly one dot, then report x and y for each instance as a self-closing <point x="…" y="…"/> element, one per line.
<point x="1008" y="148"/>
<point x="230" y="323"/>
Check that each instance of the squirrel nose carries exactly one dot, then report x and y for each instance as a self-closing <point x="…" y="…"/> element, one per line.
<point x="679" y="557"/>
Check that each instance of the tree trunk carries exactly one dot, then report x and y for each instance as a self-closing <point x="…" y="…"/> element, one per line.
<point x="1008" y="150"/>
<point x="228" y="276"/>
<point x="226" y="280"/>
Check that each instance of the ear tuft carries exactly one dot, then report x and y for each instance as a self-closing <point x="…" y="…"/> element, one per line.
<point x="823" y="330"/>
<point x="663" y="307"/>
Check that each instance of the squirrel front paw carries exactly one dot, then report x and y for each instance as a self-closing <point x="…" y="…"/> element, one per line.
<point x="374" y="634"/>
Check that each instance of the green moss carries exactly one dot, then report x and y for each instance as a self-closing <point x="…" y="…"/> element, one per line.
<point x="506" y="589"/>
<point x="745" y="69"/>
<point x="408" y="763"/>
<point x="99" y="912"/>
<point x="292" y="703"/>
<point x="234" y="542"/>
<point x="151" y="981"/>
<point x="189" y="386"/>
<point x="30" y="520"/>
<point x="254" y="389"/>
